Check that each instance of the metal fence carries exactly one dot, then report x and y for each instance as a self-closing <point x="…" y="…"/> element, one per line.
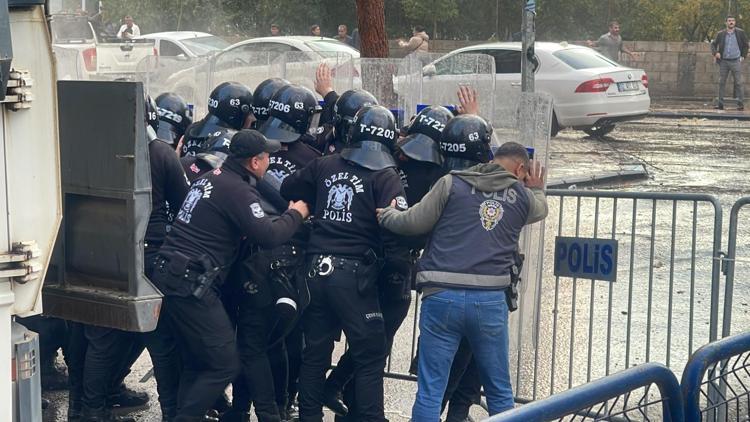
<point x="627" y="395"/>
<point x="664" y="303"/>
<point x="716" y="381"/>
<point x="737" y="312"/>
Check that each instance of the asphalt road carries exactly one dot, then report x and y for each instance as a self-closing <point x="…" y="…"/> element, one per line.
<point x="680" y="155"/>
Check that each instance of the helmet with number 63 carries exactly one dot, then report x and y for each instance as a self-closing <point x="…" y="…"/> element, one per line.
<point x="174" y="117"/>
<point x="421" y="142"/>
<point x="292" y="111"/>
<point x="231" y="103"/>
<point x="372" y="138"/>
<point x="465" y="142"/>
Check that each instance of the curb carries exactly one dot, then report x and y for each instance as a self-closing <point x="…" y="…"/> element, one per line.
<point x="698" y="115"/>
<point x="636" y="172"/>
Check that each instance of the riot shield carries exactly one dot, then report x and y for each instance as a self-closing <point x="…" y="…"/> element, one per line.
<point x="426" y="79"/>
<point x="69" y="65"/>
<point x="244" y="66"/>
<point x="186" y="77"/>
<point x="299" y="67"/>
<point x="525" y="118"/>
<point x="97" y="274"/>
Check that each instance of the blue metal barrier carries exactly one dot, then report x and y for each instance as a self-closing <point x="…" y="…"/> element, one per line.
<point x="609" y="398"/>
<point x="725" y="366"/>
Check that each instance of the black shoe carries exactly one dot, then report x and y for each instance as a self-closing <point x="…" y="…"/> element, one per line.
<point x="741" y="107"/>
<point x="334" y="400"/>
<point x="103" y="415"/>
<point x="74" y="410"/>
<point x="234" y="415"/>
<point x="54" y="379"/>
<point x="719" y="107"/>
<point x="290" y="413"/>
<point x="126" y="397"/>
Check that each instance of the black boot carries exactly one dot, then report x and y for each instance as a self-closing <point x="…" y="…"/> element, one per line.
<point x="334" y="400"/>
<point x="74" y="409"/>
<point x="102" y="414"/>
<point x="125" y="397"/>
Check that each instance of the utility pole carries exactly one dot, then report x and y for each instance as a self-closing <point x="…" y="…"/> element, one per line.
<point x="528" y="37"/>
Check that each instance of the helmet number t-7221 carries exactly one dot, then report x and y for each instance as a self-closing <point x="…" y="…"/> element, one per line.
<point x="451" y="147"/>
<point x="429" y="121"/>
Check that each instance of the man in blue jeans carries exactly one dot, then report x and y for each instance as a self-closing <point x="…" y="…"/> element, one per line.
<point x="476" y="216"/>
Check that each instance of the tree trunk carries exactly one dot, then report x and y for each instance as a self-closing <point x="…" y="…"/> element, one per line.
<point x="371" y="20"/>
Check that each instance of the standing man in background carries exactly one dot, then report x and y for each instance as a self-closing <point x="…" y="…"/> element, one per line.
<point x="129" y="29"/>
<point x="343" y="35"/>
<point x="729" y="49"/>
<point x="275" y="30"/>
<point x="610" y="44"/>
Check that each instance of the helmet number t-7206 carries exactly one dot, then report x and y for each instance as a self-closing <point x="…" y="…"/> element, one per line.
<point x="275" y="105"/>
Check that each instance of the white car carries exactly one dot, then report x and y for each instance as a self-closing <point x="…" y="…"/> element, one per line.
<point x="294" y="58"/>
<point x="185" y="43"/>
<point x="590" y="92"/>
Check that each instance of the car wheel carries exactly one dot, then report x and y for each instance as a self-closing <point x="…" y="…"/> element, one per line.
<point x="555" y="127"/>
<point x="599" y="131"/>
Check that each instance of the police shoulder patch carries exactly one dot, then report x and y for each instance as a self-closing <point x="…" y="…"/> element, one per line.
<point x="401" y="203"/>
<point x="257" y="211"/>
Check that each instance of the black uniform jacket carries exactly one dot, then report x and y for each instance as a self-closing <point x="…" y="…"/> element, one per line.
<point x="220" y="210"/>
<point x="168" y="189"/>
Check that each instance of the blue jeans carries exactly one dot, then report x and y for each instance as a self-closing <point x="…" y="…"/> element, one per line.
<point x="482" y="317"/>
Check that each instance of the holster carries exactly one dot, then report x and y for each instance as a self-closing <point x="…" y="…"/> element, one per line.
<point x="180" y="275"/>
<point x="511" y="293"/>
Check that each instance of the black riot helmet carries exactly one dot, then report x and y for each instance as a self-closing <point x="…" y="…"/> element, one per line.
<point x="174" y="117"/>
<point x="346" y="107"/>
<point x="371" y="138"/>
<point x="231" y="103"/>
<point x="423" y="137"/>
<point x="263" y="95"/>
<point x="466" y="142"/>
<point x="217" y="147"/>
<point x="292" y="111"/>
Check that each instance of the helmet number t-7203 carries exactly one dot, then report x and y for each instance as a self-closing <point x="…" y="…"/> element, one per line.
<point x="377" y="131"/>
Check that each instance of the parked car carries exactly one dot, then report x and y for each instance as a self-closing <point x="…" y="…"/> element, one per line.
<point x="590" y="92"/>
<point x="185" y="43"/>
<point x="103" y="57"/>
<point x="294" y="58"/>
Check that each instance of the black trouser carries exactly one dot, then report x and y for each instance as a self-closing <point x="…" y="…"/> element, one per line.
<point x="206" y="339"/>
<point x="75" y="359"/>
<point x="165" y="357"/>
<point x="395" y="305"/>
<point x="109" y="355"/>
<point x="253" y="329"/>
<point x="346" y="299"/>
<point x="294" y="344"/>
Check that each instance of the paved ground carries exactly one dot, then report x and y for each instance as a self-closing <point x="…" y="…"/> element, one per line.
<point x="691" y="155"/>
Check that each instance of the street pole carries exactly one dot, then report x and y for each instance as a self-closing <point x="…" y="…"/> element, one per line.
<point x="528" y="37"/>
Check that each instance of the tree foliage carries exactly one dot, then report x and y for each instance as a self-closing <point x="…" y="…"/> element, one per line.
<point x="672" y="20"/>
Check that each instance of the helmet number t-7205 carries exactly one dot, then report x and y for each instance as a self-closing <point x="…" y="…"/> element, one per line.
<point x="451" y="147"/>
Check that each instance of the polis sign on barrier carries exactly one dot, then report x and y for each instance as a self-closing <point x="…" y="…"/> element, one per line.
<point x="587" y="258"/>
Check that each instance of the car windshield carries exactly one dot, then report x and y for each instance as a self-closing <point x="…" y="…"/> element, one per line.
<point x="66" y="30"/>
<point x="583" y="58"/>
<point x="205" y="45"/>
<point x="331" y="46"/>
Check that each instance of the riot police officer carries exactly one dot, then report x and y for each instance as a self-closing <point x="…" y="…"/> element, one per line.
<point x="219" y="211"/>
<point x="229" y="106"/>
<point x="345" y="253"/>
<point x="174" y="118"/>
<point x="216" y="151"/>
<point x="419" y="162"/>
<point x="262" y="96"/>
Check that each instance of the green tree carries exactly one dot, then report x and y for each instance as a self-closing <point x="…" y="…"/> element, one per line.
<point x="433" y="11"/>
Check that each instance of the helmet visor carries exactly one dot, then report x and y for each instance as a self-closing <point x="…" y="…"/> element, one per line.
<point x="370" y="155"/>
<point x="421" y="148"/>
<point x="274" y="128"/>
